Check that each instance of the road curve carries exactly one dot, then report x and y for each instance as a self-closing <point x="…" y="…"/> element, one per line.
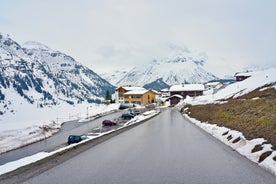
<point x="166" y="149"/>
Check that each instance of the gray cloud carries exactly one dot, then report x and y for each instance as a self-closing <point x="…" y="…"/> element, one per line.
<point x="112" y="34"/>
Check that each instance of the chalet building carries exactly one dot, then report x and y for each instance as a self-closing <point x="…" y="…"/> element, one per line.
<point x="175" y="99"/>
<point x="135" y="95"/>
<point x="181" y="91"/>
<point x="142" y="97"/>
<point x="187" y="90"/>
<point x="240" y="76"/>
<point x="165" y="93"/>
<point x="120" y="91"/>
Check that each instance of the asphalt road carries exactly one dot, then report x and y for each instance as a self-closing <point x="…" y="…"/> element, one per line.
<point x="58" y="140"/>
<point x="166" y="149"/>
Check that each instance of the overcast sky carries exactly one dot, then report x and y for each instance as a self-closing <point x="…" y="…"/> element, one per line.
<point x="110" y="34"/>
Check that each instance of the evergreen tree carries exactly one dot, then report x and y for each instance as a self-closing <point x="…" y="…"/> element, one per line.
<point x="107" y="96"/>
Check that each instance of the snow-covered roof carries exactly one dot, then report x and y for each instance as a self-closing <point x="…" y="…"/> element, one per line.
<point x="246" y="74"/>
<point x="213" y="83"/>
<point x="187" y="87"/>
<point x="132" y="88"/>
<point x="154" y="91"/>
<point x="178" y="96"/>
<point x="136" y="92"/>
<point x="165" y="90"/>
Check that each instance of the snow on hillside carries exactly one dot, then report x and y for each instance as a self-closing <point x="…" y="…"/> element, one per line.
<point x="180" y="68"/>
<point x="257" y="79"/>
<point x="114" y="76"/>
<point x="40" y="88"/>
<point x="43" y="77"/>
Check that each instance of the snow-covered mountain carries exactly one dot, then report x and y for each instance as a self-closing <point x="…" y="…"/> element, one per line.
<point x="183" y="67"/>
<point x="114" y="76"/>
<point x="44" y="77"/>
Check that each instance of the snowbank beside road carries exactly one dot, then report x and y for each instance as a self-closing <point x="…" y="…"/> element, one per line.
<point x="12" y="139"/>
<point x="238" y="142"/>
<point x="14" y="134"/>
<point x="11" y="166"/>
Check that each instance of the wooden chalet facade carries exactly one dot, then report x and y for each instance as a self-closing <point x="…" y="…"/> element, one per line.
<point x="187" y="90"/>
<point x="144" y="97"/>
<point x="135" y="95"/>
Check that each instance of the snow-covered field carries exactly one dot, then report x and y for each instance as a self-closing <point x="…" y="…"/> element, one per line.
<point x="234" y="138"/>
<point x="33" y="124"/>
<point x="41" y="155"/>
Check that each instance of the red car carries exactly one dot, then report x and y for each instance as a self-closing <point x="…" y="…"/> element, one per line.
<point x="109" y="123"/>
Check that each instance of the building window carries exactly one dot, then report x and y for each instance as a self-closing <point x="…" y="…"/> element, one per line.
<point x="126" y="96"/>
<point x="135" y="96"/>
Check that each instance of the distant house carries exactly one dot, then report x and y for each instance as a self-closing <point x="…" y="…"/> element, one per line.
<point x="141" y="97"/>
<point x="240" y="76"/>
<point x="165" y="93"/>
<point x="135" y="95"/>
<point x="175" y="99"/>
<point x="120" y="91"/>
<point x="187" y="90"/>
<point x="213" y="85"/>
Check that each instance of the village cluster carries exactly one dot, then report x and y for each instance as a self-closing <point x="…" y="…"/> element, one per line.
<point x="172" y="95"/>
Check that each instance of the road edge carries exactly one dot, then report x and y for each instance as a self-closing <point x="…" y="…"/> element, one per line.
<point x="23" y="173"/>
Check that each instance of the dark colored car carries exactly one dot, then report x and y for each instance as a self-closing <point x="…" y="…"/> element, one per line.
<point x="109" y="123"/>
<point x="128" y="116"/>
<point x="75" y="138"/>
<point x="124" y="106"/>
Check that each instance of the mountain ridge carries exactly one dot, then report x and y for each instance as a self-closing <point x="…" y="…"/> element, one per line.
<point x="184" y="67"/>
<point x="45" y="77"/>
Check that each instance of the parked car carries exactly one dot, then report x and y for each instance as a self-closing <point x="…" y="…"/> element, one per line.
<point x="150" y="106"/>
<point x="75" y="138"/>
<point x="124" y="106"/>
<point x="108" y="123"/>
<point x="136" y="112"/>
<point x="128" y="116"/>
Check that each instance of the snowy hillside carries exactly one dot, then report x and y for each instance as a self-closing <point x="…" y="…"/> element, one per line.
<point x="114" y="76"/>
<point x="177" y="69"/>
<point x="37" y="75"/>
<point x="257" y="80"/>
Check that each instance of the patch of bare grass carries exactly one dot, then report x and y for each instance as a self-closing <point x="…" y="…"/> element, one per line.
<point x="236" y="140"/>
<point x="264" y="156"/>
<point x="257" y="148"/>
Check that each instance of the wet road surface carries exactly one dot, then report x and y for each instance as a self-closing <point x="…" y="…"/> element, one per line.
<point x="166" y="149"/>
